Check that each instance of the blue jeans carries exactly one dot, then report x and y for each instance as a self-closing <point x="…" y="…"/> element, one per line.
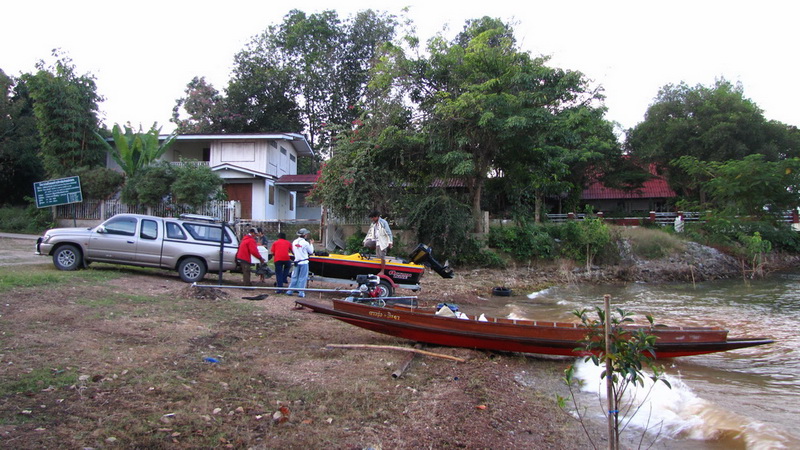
<point x="282" y="271"/>
<point x="299" y="279"/>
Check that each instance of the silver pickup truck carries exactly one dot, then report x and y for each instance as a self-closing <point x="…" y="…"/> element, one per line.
<point x="192" y="245"/>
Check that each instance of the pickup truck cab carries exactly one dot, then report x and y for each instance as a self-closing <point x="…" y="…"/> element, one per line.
<point x="192" y="244"/>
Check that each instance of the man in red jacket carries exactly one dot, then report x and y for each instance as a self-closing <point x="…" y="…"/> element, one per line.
<point x="247" y="248"/>
<point x="280" y="250"/>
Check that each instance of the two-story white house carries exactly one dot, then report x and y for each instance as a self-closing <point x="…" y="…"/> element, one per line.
<point x="251" y="166"/>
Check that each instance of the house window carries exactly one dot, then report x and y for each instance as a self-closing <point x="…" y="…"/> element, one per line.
<point x="283" y="151"/>
<point x="272" y="195"/>
<point x="291" y="202"/>
<point x="206" y="154"/>
<point x="292" y="158"/>
<point x="273" y="144"/>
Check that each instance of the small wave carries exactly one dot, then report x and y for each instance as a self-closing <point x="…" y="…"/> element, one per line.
<point x="678" y="413"/>
<point x="515" y="312"/>
<point x="539" y="293"/>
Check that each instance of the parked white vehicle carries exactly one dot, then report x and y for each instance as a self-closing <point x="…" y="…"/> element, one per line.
<point x="192" y="245"/>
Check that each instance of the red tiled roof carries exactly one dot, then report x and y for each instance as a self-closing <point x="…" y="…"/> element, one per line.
<point x="654" y="188"/>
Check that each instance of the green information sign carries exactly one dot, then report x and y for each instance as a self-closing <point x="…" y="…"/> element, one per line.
<point x="58" y="192"/>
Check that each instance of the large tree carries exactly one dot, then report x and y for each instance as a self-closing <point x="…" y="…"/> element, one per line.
<point x="20" y="166"/>
<point x="489" y="107"/>
<point x="203" y="108"/>
<point x="716" y="123"/>
<point x="750" y="186"/>
<point x="304" y="74"/>
<point x="373" y="163"/>
<point x="332" y="59"/>
<point x="65" y="105"/>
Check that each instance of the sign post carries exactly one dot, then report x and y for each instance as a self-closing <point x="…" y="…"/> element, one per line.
<point x="61" y="191"/>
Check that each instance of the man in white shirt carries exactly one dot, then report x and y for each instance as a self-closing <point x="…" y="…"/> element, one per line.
<point x="302" y="248"/>
<point x="379" y="237"/>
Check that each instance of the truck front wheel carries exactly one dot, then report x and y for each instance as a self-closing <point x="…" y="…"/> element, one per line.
<point x="192" y="270"/>
<point x="67" y="257"/>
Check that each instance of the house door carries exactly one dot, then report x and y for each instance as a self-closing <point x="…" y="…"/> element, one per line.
<point x="243" y="192"/>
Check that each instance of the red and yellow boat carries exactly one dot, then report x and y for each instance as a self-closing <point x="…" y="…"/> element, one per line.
<point x="398" y="273"/>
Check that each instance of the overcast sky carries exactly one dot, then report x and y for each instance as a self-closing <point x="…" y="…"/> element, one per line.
<point x="144" y="53"/>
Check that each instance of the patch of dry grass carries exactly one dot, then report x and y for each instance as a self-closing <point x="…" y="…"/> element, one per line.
<point x="123" y="357"/>
<point x="649" y="243"/>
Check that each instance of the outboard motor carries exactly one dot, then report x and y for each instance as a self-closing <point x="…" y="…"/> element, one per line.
<point x="423" y="255"/>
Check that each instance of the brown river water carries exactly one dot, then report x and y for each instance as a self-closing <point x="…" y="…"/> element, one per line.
<point x="747" y="398"/>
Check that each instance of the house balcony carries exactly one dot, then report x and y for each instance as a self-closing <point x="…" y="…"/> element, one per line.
<point x="189" y="163"/>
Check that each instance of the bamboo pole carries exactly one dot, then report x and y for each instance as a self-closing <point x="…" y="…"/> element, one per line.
<point x="613" y="443"/>
<point x="391" y="347"/>
<point x="407" y="362"/>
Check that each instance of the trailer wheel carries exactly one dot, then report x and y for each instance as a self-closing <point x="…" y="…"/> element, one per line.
<point x="385" y="289"/>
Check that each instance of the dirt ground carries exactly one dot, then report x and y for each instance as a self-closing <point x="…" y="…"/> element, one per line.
<point x="114" y="357"/>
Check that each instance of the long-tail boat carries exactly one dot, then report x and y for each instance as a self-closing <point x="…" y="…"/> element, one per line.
<point x="514" y="335"/>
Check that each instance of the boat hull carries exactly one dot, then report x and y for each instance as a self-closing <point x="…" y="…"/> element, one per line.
<point x="549" y="338"/>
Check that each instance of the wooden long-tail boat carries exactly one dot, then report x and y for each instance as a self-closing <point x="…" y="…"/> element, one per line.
<point x="513" y="335"/>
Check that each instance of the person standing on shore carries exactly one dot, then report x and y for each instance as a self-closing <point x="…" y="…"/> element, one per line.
<point x="248" y="249"/>
<point x="379" y="237"/>
<point x="302" y="247"/>
<point x="280" y="251"/>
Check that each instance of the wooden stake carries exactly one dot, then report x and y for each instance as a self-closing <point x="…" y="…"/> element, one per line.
<point x="404" y="365"/>
<point x="403" y="349"/>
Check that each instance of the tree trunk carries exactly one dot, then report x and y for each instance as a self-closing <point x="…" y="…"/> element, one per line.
<point x="537" y="206"/>
<point x="477" y="217"/>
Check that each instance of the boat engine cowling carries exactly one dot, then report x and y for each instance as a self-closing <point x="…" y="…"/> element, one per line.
<point x="424" y="255"/>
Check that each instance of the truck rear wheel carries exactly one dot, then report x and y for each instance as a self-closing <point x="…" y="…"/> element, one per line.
<point x="67" y="257"/>
<point x="191" y="270"/>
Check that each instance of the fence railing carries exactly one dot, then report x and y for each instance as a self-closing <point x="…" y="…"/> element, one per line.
<point x="103" y="209"/>
<point x="658" y="218"/>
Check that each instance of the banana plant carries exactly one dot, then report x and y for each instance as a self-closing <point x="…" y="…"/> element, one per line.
<point x="134" y="150"/>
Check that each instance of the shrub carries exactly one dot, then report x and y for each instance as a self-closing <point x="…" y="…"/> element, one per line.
<point x="472" y="254"/>
<point x="354" y="243"/>
<point x="725" y="231"/>
<point x="29" y="219"/>
<point x="443" y="223"/>
<point x="523" y="242"/>
<point x="99" y="182"/>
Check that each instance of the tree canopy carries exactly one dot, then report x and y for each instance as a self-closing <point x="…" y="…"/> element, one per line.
<point x="489" y="108"/>
<point x="308" y="72"/>
<point x="716" y="123"/>
<point x="65" y="106"/>
<point x="20" y="165"/>
<point x="749" y="186"/>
